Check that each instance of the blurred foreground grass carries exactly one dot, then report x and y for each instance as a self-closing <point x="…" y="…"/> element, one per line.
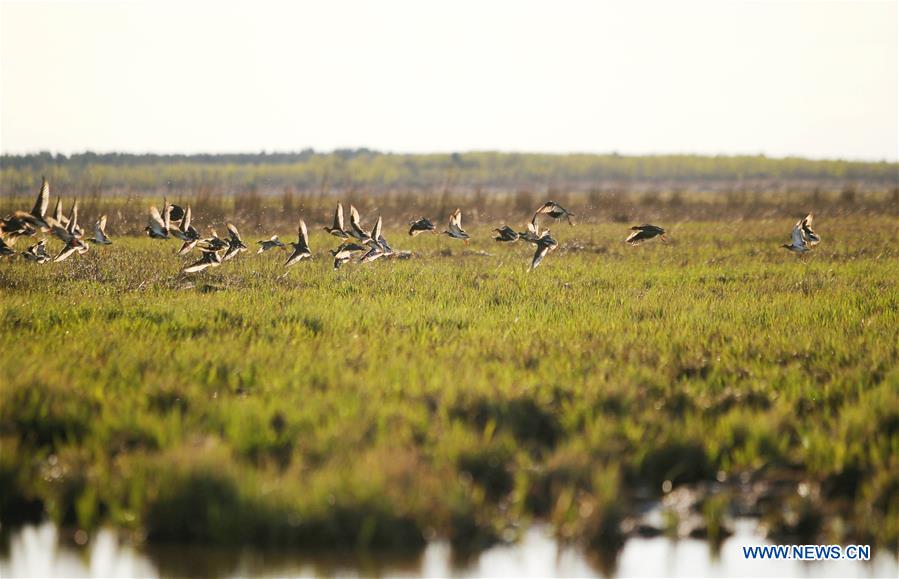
<point x="456" y="394"/>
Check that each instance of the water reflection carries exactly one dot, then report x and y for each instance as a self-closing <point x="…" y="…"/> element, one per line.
<point x="39" y="551"/>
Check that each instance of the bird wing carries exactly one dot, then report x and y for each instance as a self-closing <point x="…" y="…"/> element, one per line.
<point x="43" y="200"/>
<point x="57" y="212"/>
<point x="338" y="217"/>
<point x="808" y="233"/>
<point x="635" y="236"/>
<point x="541" y="252"/>
<point x="99" y="235"/>
<point x="356" y="225"/>
<point x="166" y="214"/>
<point x="376" y="232"/>
<point x="798" y="239"/>
<point x="156" y="223"/>
<point x="540" y="210"/>
<point x="303" y="235"/>
<point x="451" y="226"/>
<point x="231" y="252"/>
<point x="235" y="235"/>
<point x="73" y="218"/>
<point x="65" y="253"/>
<point x="187" y="246"/>
<point x="207" y="259"/>
<point x="195" y="267"/>
<point x="185" y="223"/>
<point x="373" y="254"/>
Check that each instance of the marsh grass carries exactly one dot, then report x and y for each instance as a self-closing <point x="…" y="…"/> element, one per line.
<point x="455" y="394"/>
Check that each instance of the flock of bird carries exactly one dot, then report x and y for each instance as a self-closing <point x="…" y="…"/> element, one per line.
<point x="356" y="241"/>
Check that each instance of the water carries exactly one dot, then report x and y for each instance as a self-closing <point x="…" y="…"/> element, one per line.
<point x="37" y="551"/>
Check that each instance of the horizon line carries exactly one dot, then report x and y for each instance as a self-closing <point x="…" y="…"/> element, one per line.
<point x="613" y="153"/>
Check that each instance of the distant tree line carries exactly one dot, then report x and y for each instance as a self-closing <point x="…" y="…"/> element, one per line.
<point x="365" y="168"/>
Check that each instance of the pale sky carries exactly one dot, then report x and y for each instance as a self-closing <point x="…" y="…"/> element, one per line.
<point x="816" y="79"/>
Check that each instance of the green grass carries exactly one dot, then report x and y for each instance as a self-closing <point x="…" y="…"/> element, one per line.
<point x="454" y="394"/>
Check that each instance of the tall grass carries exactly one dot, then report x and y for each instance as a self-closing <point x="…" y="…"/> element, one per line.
<point x="455" y="394"/>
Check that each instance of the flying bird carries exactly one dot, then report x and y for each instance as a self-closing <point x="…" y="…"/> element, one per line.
<point x="506" y="233"/>
<point x="336" y="228"/>
<point x="531" y="234"/>
<point x="345" y="252"/>
<point x="420" y="225"/>
<point x="37" y="216"/>
<point x="72" y="222"/>
<point x="553" y="210"/>
<point x="454" y="229"/>
<point x="235" y="243"/>
<point x="376" y="239"/>
<point x="208" y="259"/>
<point x="100" y="237"/>
<point x="213" y="242"/>
<point x="385" y="247"/>
<point x="372" y="254"/>
<point x="545" y="244"/>
<point x="13" y="227"/>
<point x="187" y="233"/>
<point x="803" y="237"/>
<point x="57" y="212"/>
<point x="644" y="232"/>
<point x="270" y="243"/>
<point x="356" y="229"/>
<point x="37" y="252"/>
<point x="378" y="244"/>
<point x="22" y="223"/>
<point x="70" y="235"/>
<point x="158" y="225"/>
<point x="75" y="244"/>
<point x="301" y="248"/>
